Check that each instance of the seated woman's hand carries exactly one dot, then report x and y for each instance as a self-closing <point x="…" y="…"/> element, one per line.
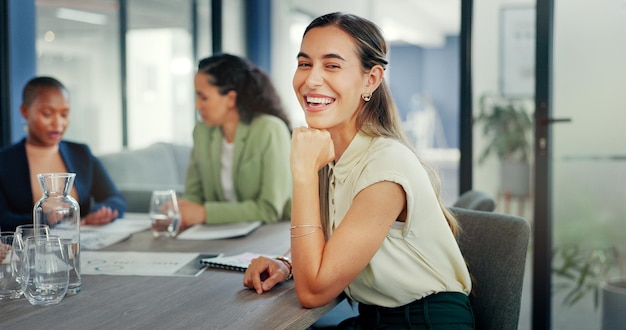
<point x="264" y="273"/>
<point x="100" y="217"/>
<point x="190" y="213"/>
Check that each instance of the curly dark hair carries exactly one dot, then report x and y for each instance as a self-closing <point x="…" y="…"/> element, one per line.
<point x="255" y="92"/>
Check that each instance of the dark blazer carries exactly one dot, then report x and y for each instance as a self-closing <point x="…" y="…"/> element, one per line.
<point x="94" y="186"/>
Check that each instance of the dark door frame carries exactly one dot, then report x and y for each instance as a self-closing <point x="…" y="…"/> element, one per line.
<point x="465" y="115"/>
<point x="542" y="227"/>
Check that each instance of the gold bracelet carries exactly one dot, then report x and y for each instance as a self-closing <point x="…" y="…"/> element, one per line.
<point x="317" y="228"/>
<point x="287" y="262"/>
<point x="304" y="226"/>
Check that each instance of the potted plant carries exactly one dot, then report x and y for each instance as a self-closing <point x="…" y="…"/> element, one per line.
<point x="600" y="271"/>
<point x="507" y="127"/>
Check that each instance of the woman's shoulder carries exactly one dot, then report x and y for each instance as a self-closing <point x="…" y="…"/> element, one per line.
<point x="13" y="148"/>
<point x="392" y="149"/>
<point x="269" y="126"/>
<point x="200" y="129"/>
<point x="387" y="154"/>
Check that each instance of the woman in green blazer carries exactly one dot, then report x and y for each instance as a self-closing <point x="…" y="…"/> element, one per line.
<point x="239" y="167"/>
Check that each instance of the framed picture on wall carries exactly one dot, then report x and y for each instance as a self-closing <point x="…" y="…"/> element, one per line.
<point x="517" y="51"/>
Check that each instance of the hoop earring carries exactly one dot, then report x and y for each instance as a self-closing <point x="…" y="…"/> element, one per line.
<point x="366" y="97"/>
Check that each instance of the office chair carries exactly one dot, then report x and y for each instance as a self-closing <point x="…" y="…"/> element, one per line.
<point x="476" y="200"/>
<point x="495" y="247"/>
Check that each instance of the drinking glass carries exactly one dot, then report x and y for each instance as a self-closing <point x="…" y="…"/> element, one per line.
<point x="10" y="287"/>
<point x="164" y="213"/>
<point x="45" y="274"/>
<point x="70" y="248"/>
<point x="22" y="232"/>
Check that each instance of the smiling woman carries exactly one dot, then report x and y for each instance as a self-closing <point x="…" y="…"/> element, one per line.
<point x="366" y="218"/>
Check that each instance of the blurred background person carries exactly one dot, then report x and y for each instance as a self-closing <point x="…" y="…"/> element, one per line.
<point x="239" y="165"/>
<point x="46" y="109"/>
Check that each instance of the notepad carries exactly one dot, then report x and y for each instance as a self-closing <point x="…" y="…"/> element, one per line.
<point x="217" y="231"/>
<point x="237" y="262"/>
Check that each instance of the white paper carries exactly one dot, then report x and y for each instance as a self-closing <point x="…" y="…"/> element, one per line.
<point x="205" y="231"/>
<point x="131" y="223"/>
<point x="94" y="237"/>
<point x="98" y="240"/>
<point x="139" y="263"/>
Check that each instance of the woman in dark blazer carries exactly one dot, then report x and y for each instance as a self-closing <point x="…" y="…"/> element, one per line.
<point x="45" y="108"/>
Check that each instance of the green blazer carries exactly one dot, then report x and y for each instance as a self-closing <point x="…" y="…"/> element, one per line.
<point x="261" y="172"/>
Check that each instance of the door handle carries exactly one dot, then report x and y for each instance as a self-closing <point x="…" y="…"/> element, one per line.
<point x="549" y="121"/>
<point x="545" y="122"/>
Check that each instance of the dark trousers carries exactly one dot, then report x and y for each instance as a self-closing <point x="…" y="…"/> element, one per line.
<point x="444" y="310"/>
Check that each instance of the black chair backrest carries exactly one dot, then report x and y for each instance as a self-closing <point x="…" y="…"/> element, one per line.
<point x="494" y="246"/>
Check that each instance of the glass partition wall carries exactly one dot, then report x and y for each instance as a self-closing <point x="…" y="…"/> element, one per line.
<point x="503" y="38"/>
<point x="160" y="66"/>
<point x="589" y="160"/>
<point x="586" y="159"/>
<point x="503" y="54"/>
<point x="79" y="42"/>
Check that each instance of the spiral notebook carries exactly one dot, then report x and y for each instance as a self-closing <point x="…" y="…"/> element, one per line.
<point x="237" y="262"/>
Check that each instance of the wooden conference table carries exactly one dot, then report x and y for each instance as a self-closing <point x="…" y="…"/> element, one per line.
<point x="216" y="299"/>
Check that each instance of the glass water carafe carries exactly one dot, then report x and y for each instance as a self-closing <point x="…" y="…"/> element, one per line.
<point x="61" y="212"/>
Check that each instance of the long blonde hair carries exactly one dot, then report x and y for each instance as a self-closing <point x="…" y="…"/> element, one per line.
<point x="379" y="116"/>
